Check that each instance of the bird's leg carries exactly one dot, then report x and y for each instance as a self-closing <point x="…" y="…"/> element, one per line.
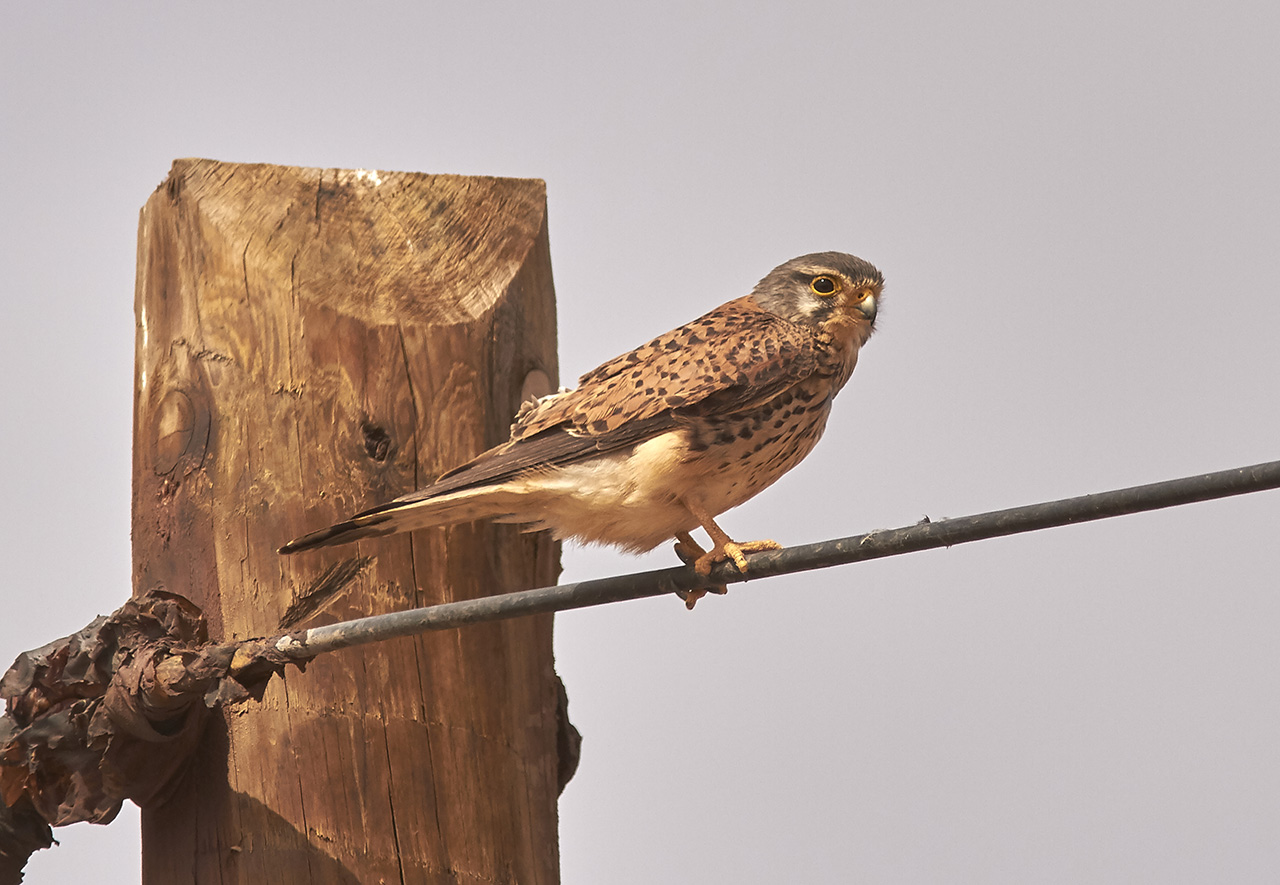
<point x="690" y="551"/>
<point x="724" y="546"/>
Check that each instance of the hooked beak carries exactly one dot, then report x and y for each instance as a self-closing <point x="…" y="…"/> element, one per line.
<point x="867" y="307"/>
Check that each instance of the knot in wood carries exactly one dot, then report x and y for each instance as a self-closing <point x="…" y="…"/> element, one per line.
<point x="377" y="442"/>
<point x="174" y="426"/>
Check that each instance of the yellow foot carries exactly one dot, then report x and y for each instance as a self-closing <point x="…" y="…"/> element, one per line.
<point x="691" y="553"/>
<point x="734" y="551"/>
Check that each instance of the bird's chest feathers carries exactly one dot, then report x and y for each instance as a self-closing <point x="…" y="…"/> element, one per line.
<point x="730" y="458"/>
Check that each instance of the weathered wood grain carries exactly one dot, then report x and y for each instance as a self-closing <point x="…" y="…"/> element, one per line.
<point x="309" y="343"/>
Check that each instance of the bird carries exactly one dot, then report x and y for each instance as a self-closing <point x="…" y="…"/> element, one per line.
<point x="663" y="439"/>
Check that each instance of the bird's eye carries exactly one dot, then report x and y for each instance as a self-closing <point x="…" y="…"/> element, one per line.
<point x="824" y="285"/>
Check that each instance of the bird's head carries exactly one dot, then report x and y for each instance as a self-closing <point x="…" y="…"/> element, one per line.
<point x="836" y="292"/>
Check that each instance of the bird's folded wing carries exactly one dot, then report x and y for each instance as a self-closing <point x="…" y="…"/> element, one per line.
<point x="730" y="359"/>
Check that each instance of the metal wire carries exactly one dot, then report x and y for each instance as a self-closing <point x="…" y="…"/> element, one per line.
<point x="305" y="644"/>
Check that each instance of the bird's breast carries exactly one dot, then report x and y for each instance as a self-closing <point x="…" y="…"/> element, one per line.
<point x="739" y="455"/>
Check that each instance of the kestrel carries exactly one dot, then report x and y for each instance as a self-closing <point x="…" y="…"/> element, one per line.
<point x="665" y="438"/>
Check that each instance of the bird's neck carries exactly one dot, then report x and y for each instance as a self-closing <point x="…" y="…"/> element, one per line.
<point x="839" y="341"/>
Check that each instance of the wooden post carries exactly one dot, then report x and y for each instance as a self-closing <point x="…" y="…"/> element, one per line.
<point x="311" y="342"/>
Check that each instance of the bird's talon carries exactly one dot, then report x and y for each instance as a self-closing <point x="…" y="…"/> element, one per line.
<point x="692" y="555"/>
<point x="689" y="552"/>
<point x="702" y="561"/>
<point x="691" y="597"/>
<point x="734" y="551"/>
<point x="737" y="552"/>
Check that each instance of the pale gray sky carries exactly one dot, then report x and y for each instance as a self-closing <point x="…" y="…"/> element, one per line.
<point x="1077" y="208"/>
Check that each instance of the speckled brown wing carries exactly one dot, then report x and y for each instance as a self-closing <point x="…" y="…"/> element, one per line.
<point x="731" y="358"/>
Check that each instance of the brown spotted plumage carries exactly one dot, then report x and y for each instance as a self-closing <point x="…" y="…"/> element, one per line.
<point x="665" y="438"/>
